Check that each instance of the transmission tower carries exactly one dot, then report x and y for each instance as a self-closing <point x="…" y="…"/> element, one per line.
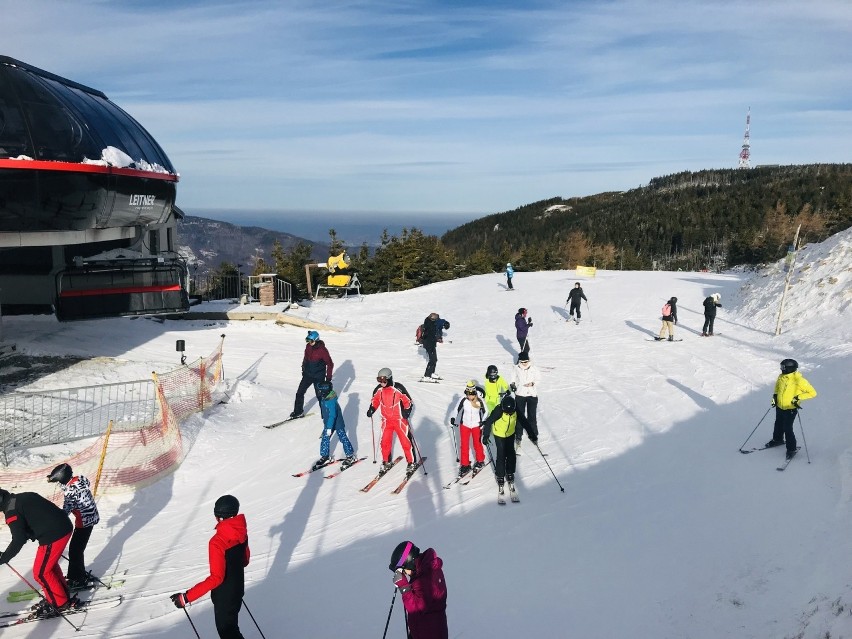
<point x="746" y="153"/>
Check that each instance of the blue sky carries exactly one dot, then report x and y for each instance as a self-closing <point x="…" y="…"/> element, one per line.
<point x="454" y="106"/>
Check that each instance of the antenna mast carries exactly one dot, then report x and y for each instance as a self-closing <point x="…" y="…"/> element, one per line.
<point x="745" y="154"/>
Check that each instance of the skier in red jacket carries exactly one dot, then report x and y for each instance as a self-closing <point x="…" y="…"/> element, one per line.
<point x="420" y="579"/>
<point x="394" y="403"/>
<point x="229" y="555"/>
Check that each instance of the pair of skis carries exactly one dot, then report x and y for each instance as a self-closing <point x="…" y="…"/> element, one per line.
<point x="17" y="596"/>
<point x="289" y="419"/>
<point x="408" y="475"/>
<point x="469" y="475"/>
<point x="783" y="466"/>
<point x="513" y="496"/>
<point x="330" y="462"/>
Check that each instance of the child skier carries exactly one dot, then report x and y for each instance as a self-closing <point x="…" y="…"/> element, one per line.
<point x="420" y="579"/>
<point x="791" y="388"/>
<point x="395" y="405"/>
<point x="669" y="313"/>
<point x="522" y="328"/>
<point x="502" y="422"/>
<point x="495" y="388"/>
<point x="80" y="502"/>
<point x="229" y="554"/>
<point x="332" y="418"/>
<point x="510" y="273"/>
<point x="710" y="304"/>
<point x="469" y="417"/>
<point x="574" y="298"/>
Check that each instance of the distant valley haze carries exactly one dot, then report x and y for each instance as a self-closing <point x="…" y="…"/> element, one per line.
<point x="353" y="228"/>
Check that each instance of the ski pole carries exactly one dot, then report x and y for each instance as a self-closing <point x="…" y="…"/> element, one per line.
<point x="804" y="441"/>
<point x="755" y="428"/>
<point x="417" y="448"/>
<point x="24" y="579"/>
<point x="387" y="623"/>
<point x="453" y="435"/>
<point x="548" y="467"/>
<point x="253" y="619"/>
<point x="373" y="429"/>
<point x="188" y="618"/>
<point x="588" y="310"/>
<point x="90" y="575"/>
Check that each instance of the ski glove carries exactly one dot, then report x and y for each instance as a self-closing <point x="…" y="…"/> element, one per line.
<point x="529" y="321"/>
<point x="179" y="599"/>
<point x="370" y="411"/>
<point x="406" y="412"/>
<point x="796" y="402"/>
<point x="774" y="401"/>
<point x="512" y="387"/>
<point x="400" y="580"/>
<point x="3" y="560"/>
<point x="453" y="421"/>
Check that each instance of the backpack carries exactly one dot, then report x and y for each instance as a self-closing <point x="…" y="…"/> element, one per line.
<point x="418" y="335"/>
<point x="667" y="309"/>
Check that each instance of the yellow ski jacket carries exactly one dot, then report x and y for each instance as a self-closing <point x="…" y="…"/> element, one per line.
<point x="789" y="386"/>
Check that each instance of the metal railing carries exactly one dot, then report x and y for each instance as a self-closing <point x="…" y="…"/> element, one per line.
<point x="223" y="287"/>
<point x="48" y="417"/>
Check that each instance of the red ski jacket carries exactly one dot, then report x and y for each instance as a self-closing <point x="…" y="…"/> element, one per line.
<point x="229" y="555"/>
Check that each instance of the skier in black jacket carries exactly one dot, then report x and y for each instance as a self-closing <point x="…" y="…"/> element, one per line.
<point x="432" y="327"/>
<point x="574" y="298"/>
<point x="31" y="516"/>
<point x="710" y="305"/>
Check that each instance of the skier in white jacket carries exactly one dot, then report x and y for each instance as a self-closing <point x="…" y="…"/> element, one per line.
<point x="525" y="379"/>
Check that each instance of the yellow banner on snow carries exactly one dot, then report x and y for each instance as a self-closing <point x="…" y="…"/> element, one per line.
<point x="588" y="271"/>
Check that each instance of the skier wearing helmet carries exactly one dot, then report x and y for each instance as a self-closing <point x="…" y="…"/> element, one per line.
<point x="710" y="304"/>
<point x="791" y="388"/>
<point x="332" y="418"/>
<point x="420" y="579"/>
<point x="495" y="387"/>
<point x="522" y="329"/>
<point x="510" y="273"/>
<point x="316" y="367"/>
<point x="394" y="404"/>
<point x="79" y="501"/>
<point x="229" y="555"/>
<point x="502" y="423"/>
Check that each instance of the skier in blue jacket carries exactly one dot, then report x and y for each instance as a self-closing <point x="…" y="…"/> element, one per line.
<point x="332" y="418"/>
<point x="510" y="273"/>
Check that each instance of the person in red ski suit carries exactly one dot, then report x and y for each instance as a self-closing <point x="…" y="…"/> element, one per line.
<point x="395" y="405"/>
<point x="31" y="516"/>
<point x="229" y="555"/>
<point x="420" y="579"/>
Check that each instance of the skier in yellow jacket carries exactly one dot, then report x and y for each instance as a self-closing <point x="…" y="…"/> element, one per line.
<point x="790" y="389"/>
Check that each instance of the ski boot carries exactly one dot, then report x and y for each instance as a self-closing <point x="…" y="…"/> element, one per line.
<point x="671" y="338"/>
<point x="772" y="443"/>
<point x="463" y="470"/>
<point x="386" y="466"/>
<point x="346" y="463"/>
<point x="322" y="461"/>
<point x="477" y="466"/>
<point x="296" y="414"/>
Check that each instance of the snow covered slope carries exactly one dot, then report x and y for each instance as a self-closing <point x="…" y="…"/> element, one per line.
<point x="664" y="530"/>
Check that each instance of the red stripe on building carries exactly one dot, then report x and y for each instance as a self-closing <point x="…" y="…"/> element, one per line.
<point x="120" y="291"/>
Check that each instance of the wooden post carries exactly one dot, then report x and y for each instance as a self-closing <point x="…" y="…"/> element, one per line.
<point x="103" y="456"/>
<point x="308" y="279"/>
<point x="787" y="280"/>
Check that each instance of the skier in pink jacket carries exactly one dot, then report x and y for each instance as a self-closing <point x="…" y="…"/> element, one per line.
<point x="420" y="579"/>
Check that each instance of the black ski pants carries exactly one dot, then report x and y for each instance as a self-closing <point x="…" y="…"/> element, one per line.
<point x="227" y="615"/>
<point x="76" y="550"/>
<point x="527" y="419"/>
<point x="504" y="459"/>
<point x="708" y="324"/>
<point x="784" y="427"/>
<point x="432" y="351"/>
<point x="575" y="306"/>
<point x="304" y="385"/>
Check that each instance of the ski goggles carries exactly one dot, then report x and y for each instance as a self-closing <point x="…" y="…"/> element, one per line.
<point x="382" y="379"/>
<point x="470" y="391"/>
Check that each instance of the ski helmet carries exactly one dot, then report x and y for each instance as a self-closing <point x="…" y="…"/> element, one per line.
<point x="403" y="556"/>
<point x="491" y="373"/>
<point x="324" y="388"/>
<point x="522" y="311"/>
<point x="470" y="388"/>
<point x="508" y="404"/>
<point x="61" y="473"/>
<point x="789" y="366"/>
<point x="385" y="372"/>
<point x="673" y="300"/>
<point x="523" y="358"/>
<point x="226" y="506"/>
<point x="508" y="264"/>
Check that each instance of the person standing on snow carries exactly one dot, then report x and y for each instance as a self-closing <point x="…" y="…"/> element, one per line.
<point x="495" y="388"/>
<point x="669" y="319"/>
<point x="332" y="418"/>
<point x="525" y="378"/>
<point x="502" y="423"/>
<point x="229" y="555"/>
<point x="432" y="327"/>
<point x="791" y="388"/>
<point x="31" y="516"/>
<point x="522" y="329"/>
<point x="420" y="579"/>
<point x="316" y="367"/>
<point x="573" y="300"/>
<point x="469" y="417"/>
<point x="710" y="304"/>
<point x="394" y="404"/>
<point x="510" y="273"/>
<point x="79" y="501"/>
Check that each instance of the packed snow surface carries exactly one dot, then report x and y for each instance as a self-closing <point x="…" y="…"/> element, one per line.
<point x="664" y="530"/>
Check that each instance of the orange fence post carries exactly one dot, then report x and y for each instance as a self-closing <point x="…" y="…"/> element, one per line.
<point x="103" y="456"/>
